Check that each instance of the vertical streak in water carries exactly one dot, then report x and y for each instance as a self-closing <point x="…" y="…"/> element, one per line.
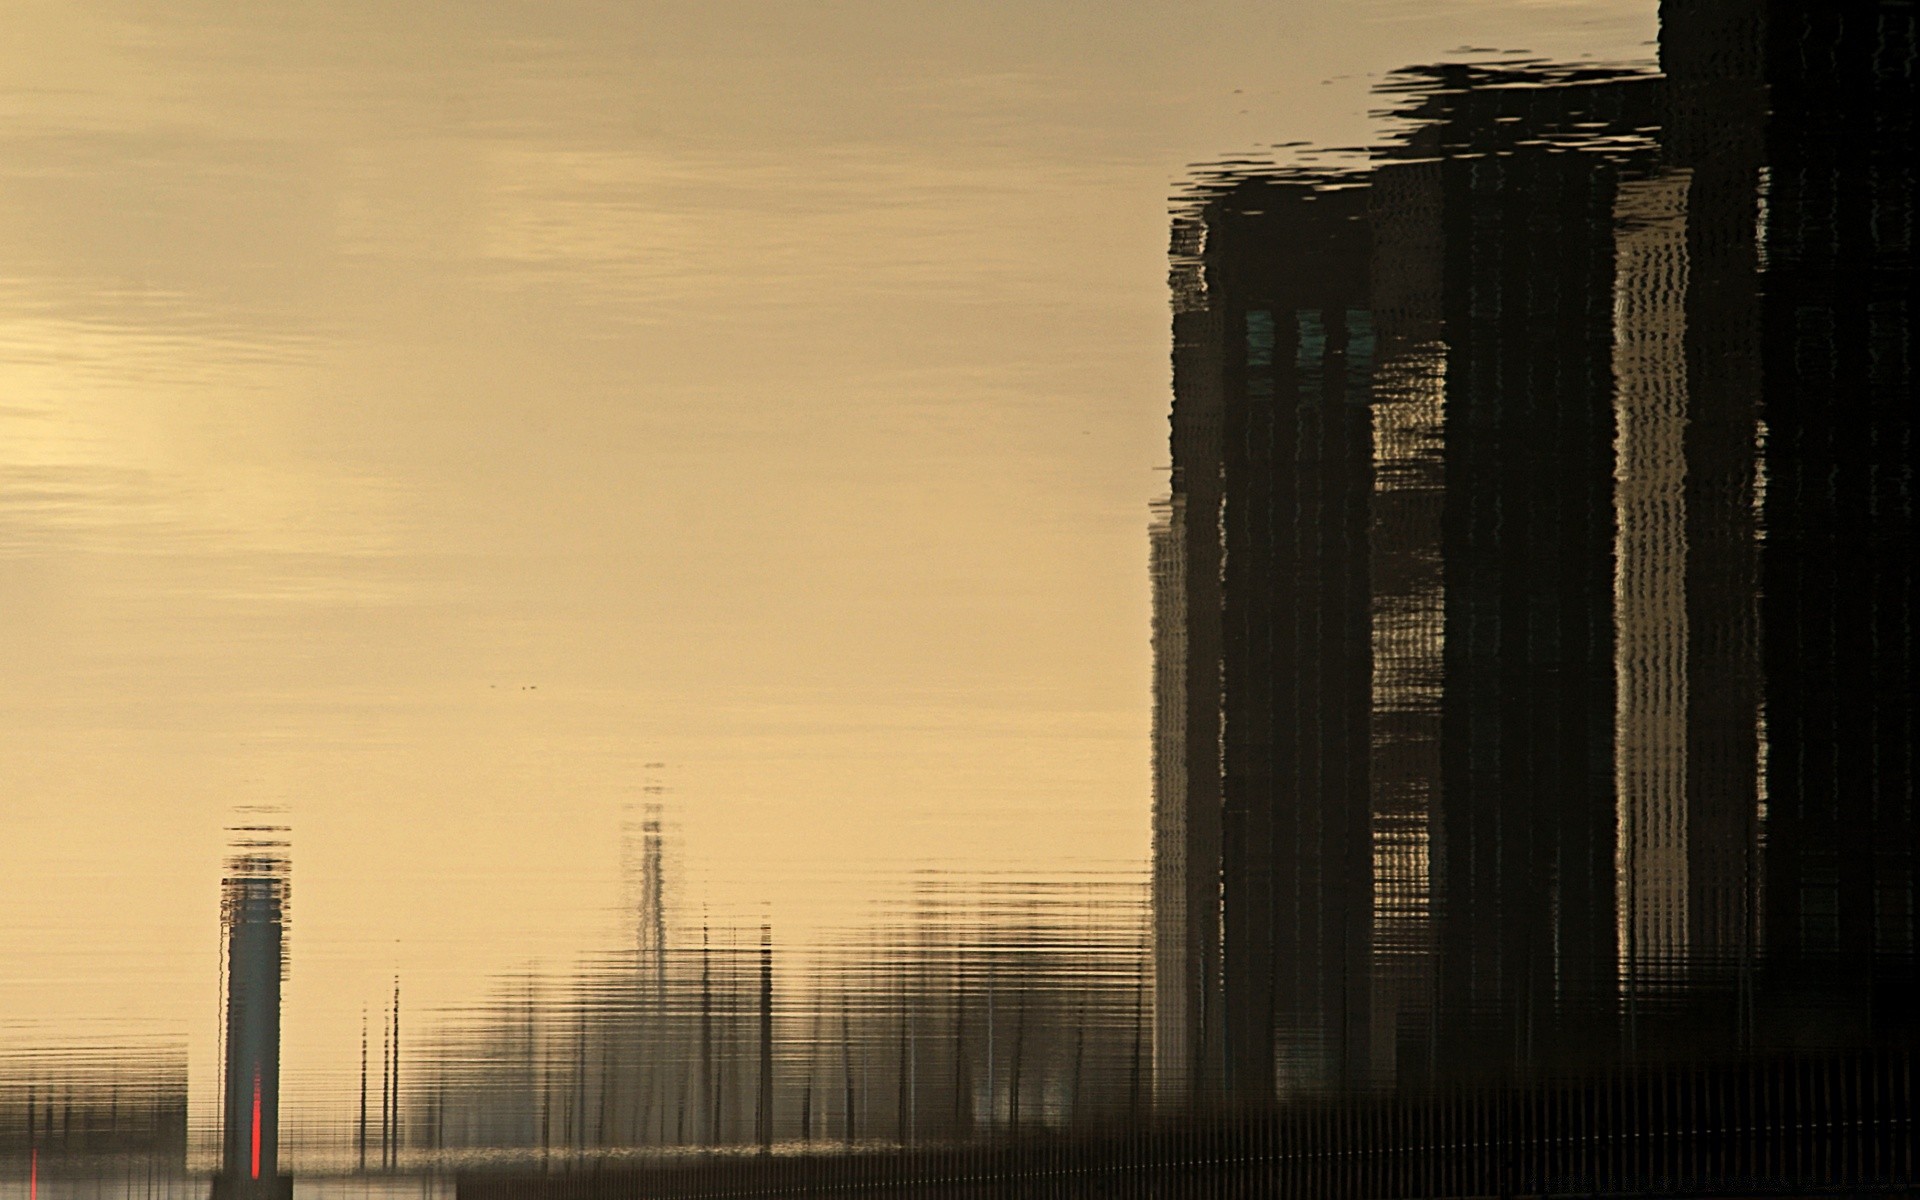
<point x="1174" y="961"/>
<point x="706" y="1090"/>
<point x="396" y="1072"/>
<point x="1650" y="575"/>
<point x="913" y="1081"/>
<point x="763" y="1107"/>
<point x="386" y="1087"/>
<point x="1406" y="573"/>
<point x="992" y="1099"/>
<point x="1754" y="946"/>
<point x="1195" y="482"/>
<point x="849" y="1129"/>
<point x="903" y="1104"/>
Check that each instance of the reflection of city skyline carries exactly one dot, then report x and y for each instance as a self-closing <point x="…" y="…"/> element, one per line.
<point x="285" y="496"/>
<point x="959" y="1008"/>
<point x="1477" y="581"/>
<point x="965" y="1007"/>
<point x="1529" y="694"/>
<point x="989" y="1007"/>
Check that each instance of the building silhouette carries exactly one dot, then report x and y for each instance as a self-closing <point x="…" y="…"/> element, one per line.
<point x="254" y="915"/>
<point x="1274" y="357"/>
<point x="1834" y="217"/>
<point x="1538" y="512"/>
<point x="1526" y="175"/>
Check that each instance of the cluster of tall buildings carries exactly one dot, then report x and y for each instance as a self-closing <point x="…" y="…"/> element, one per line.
<point x="1533" y="618"/>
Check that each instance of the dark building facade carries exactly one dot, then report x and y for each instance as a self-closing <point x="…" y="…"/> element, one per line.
<point x="1524" y="822"/>
<point x="1787" y="127"/>
<point x="1272" y="468"/>
<point x="1541" y="498"/>
<point x="254" y="915"/>
<point x="1834" y="238"/>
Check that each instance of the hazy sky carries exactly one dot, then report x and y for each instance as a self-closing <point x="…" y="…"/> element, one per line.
<point x="422" y="416"/>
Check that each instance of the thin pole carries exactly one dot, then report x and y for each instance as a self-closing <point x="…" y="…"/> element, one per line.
<point x="396" y="1071"/>
<point x="765" y="1105"/>
<point x="361" y="1140"/>
<point x="386" y="1092"/>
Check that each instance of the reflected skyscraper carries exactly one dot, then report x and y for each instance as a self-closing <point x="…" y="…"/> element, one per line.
<point x="1522" y="174"/>
<point x="1274" y="352"/>
<point x="1834" y="241"/>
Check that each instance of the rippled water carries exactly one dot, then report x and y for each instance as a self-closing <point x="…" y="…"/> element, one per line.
<point x="629" y="486"/>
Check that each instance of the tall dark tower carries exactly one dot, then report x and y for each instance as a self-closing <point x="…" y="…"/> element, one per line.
<point x="1834" y="222"/>
<point x="1524" y="174"/>
<point x="253" y="912"/>
<point x="1272" y="471"/>
<point x="1792" y="119"/>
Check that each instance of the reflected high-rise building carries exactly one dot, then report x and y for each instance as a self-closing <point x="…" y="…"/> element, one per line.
<point x="1788" y="281"/>
<point x="253" y="911"/>
<point x="1393" y="443"/>
<point x="1518" y="177"/>
<point x="1539" y="505"/>
<point x="1274" y="352"/>
<point x="1833" y="211"/>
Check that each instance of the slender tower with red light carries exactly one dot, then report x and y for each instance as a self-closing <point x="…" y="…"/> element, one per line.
<point x="253" y="911"/>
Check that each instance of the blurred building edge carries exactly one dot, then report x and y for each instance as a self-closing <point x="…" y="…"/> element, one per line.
<point x="1532" y="616"/>
<point x="1268" y="856"/>
<point x="1174" y="969"/>
<point x="254" y="913"/>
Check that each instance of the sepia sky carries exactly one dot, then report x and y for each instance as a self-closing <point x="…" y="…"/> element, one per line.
<point x="421" y="417"/>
